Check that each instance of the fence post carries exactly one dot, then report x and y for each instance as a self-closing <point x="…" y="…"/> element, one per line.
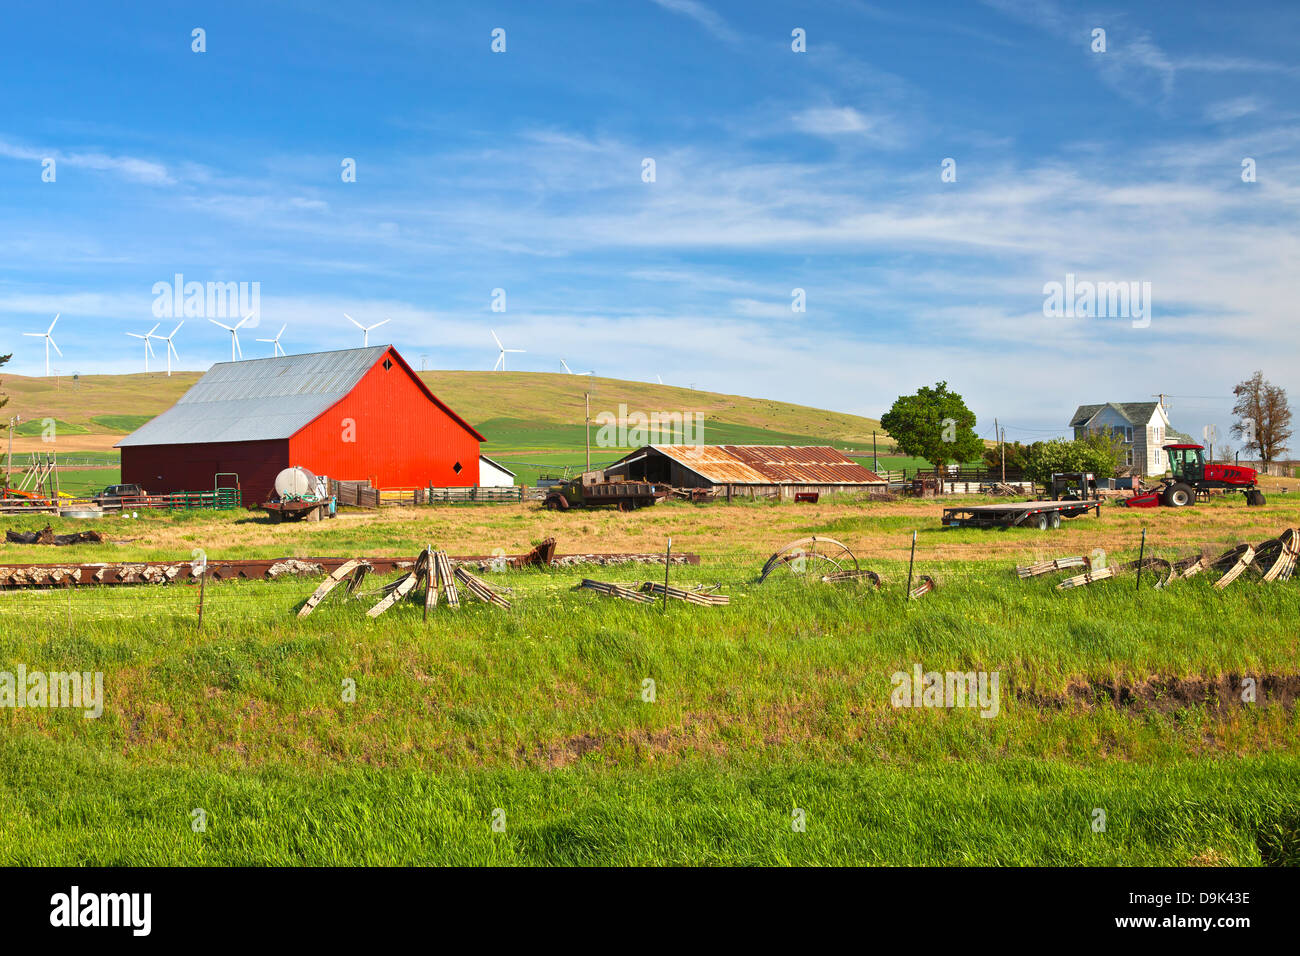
<point x="668" y="561"/>
<point x="1141" y="554"/>
<point x="910" y="562"/>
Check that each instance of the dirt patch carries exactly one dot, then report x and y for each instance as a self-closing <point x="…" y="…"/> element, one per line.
<point x="1164" y="695"/>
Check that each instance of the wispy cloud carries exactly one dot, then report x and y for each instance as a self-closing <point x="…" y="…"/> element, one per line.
<point x="128" y="167"/>
<point x="704" y="16"/>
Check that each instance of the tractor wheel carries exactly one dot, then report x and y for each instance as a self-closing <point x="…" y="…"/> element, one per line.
<point x="1179" y="495"/>
<point x="1255" y="498"/>
<point x="557" y="503"/>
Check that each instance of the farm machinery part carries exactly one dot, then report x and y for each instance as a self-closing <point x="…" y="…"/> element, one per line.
<point x="651" y="592"/>
<point x="831" y="557"/>
<point x="1158" y="565"/>
<point x="927" y="585"/>
<point x="1273" y="560"/>
<point x="1191" y="478"/>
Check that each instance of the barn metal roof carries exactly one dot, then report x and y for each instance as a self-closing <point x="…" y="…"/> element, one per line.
<point x="769" y="464"/>
<point x="258" y="399"/>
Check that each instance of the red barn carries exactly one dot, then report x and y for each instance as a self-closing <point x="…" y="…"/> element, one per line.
<point x="357" y="413"/>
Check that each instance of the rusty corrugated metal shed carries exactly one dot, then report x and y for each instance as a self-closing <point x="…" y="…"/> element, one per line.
<point x="770" y="464"/>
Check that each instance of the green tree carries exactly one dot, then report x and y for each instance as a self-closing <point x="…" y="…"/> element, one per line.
<point x="1096" y="453"/>
<point x="934" y="424"/>
<point x="1017" y="456"/>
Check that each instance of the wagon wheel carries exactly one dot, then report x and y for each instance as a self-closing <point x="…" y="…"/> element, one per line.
<point x="819" y="556"/>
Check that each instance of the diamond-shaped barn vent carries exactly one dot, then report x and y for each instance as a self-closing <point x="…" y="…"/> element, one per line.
<point x="457" y="468"/>
<point x="388" y="363"/>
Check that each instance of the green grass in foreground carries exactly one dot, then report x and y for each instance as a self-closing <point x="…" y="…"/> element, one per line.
<point x="71" y="808"/>
<point x="779" y="701"/>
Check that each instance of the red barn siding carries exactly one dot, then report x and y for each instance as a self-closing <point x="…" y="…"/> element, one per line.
<point x="402" y="439"/>
<point x="160" y="469"/>
<point x="387" y="429"/>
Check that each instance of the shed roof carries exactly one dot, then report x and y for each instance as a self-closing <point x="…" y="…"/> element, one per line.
<point x="497" y="465"/>
<point x="266" y="399"/>
<point x="769" y="464"/>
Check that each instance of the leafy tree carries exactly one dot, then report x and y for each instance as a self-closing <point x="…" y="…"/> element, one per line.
<point x="1096" y="454"/>
<point x="934" y="424"/>
<point x="1017" y="456"/>
<point x="1263" y="417"/>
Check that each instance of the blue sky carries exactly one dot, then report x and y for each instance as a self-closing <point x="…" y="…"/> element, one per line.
<point x="775" y="170"/>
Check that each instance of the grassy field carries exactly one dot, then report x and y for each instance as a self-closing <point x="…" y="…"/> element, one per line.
<point x="772" y="710"/>
<point x="93" y="412"/>
<point x="98" y="409"/>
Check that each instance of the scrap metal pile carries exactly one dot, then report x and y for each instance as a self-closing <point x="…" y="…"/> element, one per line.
<point x="1272" y="560"/>
<point x="432" y="571"/>
<point x="652" y="591"/>
<point x="70" y="574"/>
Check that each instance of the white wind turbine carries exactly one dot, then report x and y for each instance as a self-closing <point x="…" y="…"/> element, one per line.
<point x="234" y="334"/>
<point x="661" y="379"/>
<point x="365" y="329"/>
<point x="276" y="348"/>
<point x="48" y="342"/>
<point x="148" y="346"/>
<point x="571" y="371"/>
<point x="171" y="348"/>
<point x="501" y="359"/>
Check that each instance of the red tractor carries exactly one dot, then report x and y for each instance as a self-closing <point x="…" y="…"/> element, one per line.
<point x="1191" y="476"/>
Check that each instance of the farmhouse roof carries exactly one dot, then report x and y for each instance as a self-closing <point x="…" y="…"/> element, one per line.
<point x="769" y="464"/>
<point x="265" y="399"/>
<point x="1135" y="413"/>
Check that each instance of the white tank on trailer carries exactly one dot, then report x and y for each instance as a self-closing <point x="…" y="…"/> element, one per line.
<point x="295" y="481"/>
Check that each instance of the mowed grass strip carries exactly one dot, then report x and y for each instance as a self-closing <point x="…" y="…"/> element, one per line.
<point x="70" y="807"/>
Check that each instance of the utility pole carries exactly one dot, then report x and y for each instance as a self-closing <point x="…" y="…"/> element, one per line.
<point x="586" y="423"/>
<point x="9" y="464"/>
<point x="1002" y="440"/>
<point x="875" y="462"/>
<point x="997" y="433"/>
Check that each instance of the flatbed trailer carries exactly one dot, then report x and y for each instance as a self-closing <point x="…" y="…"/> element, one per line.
<point x="1018" y="514"/>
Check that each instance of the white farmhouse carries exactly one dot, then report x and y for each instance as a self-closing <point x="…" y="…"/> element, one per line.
<point x="1141" y="427"/>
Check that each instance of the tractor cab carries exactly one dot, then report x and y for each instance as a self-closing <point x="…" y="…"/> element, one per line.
<point x="1187" y="462"/>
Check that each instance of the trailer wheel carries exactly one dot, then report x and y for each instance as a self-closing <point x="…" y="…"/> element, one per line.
<point x="1054" y="520"/>
<point x="1179" y="495"/>
<point x="1255" y="498"/>
<point x="1039" y="521"/>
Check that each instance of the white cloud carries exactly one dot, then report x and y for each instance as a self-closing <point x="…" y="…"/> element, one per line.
<point x="702" y="15"/>
<point x="128" y="167"/>
<point x="832" y="121"/>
